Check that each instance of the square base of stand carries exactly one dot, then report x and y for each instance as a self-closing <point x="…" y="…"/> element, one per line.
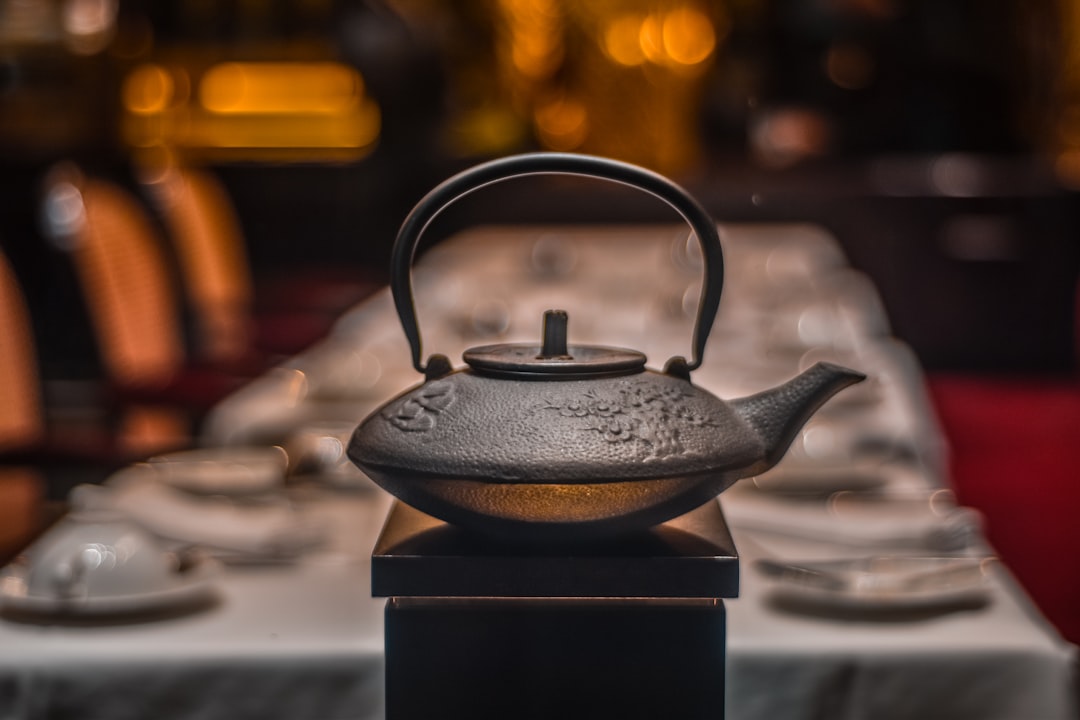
<point x="630" y="628"/>
<point x="691" y="556"/>
<point x="546" y="658"/>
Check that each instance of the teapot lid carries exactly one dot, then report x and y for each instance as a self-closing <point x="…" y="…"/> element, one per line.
<point x="554" y="359"/>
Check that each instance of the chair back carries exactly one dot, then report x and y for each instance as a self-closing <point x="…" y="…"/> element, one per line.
<point x="127" y="287"/>
<point x="213" y="262"/>
<point x="22" y="422"/>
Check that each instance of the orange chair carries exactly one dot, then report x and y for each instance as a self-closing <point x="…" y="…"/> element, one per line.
<point x="126" y="286"/>
<point x="213" y="263"/>
<point x="131" y="298"/>
<point x="32" y="431"/>
<point x="231" y="326"/>
<point x="21" y="417"/>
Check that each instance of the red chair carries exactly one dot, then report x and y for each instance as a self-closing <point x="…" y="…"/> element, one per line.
<point x="1015" y="455"/>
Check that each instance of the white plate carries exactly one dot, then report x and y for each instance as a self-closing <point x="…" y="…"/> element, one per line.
<point x="197" y="583"/>
<point x="881" y="583"/>
<point x="223" y="470"/>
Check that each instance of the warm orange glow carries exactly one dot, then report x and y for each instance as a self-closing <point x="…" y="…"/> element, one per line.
<point x="684" y="36"/>
<point x="1067" y="168"/>
<point x="355" y="130"/>
<point x="651" y="38"/>
<point x="21" y="498"/>
<point x="281" y="88"/>
<point x="535" y="56"/>
<point x="622" y="40"/>
<point x="271" y="110"/>
<point x="21" y="422"/>
<point x="533" y="29"/>
<point x="147" y="90"/>
<point x="688" y="36"/>
<point x="638" y="79"/>
<point x="150" y="430"/>
<point x="562" y="125"/>
<point x="488" y="128"/>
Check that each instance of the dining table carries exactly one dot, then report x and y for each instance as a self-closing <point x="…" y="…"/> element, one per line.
<point x="299" y="634"/>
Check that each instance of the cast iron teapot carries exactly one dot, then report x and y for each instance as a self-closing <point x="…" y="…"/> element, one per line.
<point x="558" y="442"/>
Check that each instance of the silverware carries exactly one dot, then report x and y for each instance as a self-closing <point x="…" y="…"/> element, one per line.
<point x="880" y="575"/>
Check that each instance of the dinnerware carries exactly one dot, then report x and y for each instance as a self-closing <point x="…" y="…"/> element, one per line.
<point x="274" y="528"/>
<point x="98" y="561"/>
<point x="223" y="470"/>
<point x="889" y="520"/>
<point x="882" y="582"/>
<point x="936" y="520"/>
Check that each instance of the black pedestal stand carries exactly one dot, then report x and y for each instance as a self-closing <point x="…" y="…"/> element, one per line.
<point x="627" y="629"/>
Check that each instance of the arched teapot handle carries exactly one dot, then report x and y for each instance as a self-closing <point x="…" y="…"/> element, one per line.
<point x="489" y="173"/>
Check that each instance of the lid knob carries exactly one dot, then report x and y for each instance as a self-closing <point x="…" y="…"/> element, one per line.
<point x="553" y="359"/>
<point x="555" y="335"/>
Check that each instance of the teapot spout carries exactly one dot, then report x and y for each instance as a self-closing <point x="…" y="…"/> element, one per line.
<point x="778" y="414"/>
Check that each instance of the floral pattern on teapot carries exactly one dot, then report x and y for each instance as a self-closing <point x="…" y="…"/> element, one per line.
<point x="639" y="413"/>
<point x="418" y="412"/>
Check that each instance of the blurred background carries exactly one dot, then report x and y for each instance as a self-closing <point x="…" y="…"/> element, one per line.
<point x="191" y="191"/>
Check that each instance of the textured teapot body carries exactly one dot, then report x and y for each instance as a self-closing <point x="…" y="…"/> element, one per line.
<point x="640" y="426"/>
<point x="566" y="460"/>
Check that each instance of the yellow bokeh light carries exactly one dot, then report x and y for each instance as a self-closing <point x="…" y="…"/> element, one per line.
<point x="688" y="36"/>
<point x="274" y="88"/>
<point x="562" y="124"/>
<point x="315" y="110"/>
<point x="622" y="40"/>
<point x="354" y="130"/>
<point x="651" y="39"/>
<point x="684" y="36"/>
<point x="148" y="89"/>
<point x="1067" y="168"/>
<point x="535" y="55"/>
<point x="531" y="31"/>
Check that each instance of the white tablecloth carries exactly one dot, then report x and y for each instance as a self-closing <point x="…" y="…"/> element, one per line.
<point x="304" y="640"/>
<point x="993" y="662"/>
<point x="299" y="640"/>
